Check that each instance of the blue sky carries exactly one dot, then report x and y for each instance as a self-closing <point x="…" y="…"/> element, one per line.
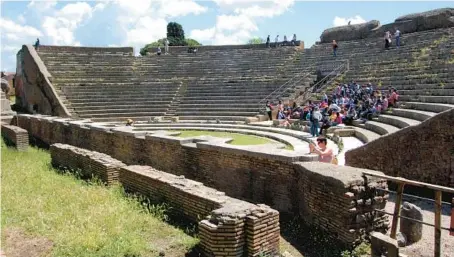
<point x="137" y="22"/>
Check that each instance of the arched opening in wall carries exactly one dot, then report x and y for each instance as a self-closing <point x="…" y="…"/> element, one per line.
<point x="35" y="108"/>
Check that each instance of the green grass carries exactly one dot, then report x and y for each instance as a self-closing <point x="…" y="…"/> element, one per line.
<point x="238" y="139"/>
<point x="81" y="218"/>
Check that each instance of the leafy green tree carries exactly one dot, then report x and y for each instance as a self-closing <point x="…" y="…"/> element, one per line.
<point x="255" y="40"/>
<point x="192" y="42"/>
<point x="175" y="34"/>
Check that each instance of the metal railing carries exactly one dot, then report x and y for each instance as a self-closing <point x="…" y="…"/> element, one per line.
<point x="338" y="71"/>
<point x="401" y="182"/>
<point x="301" y="75"/>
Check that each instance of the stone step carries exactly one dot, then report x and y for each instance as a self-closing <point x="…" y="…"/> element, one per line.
<point x="220" y="113"/>
<point x="122" y="102"/>
<point x="428" y="107"/>
<point x="411" y="114"/>
<point x="115" y="109"/>
<point x="430" y="92"/>
<point x="380" y="128"/>
<point x="397" y="121"/>
<point x="120" y="114"/>
<point x="366" y="135"/>
<point x="118" y="101"/>
<point x="211" y="118"/>
<point x="218" y="109"/>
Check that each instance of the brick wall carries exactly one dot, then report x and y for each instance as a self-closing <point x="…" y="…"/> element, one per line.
<point x="15" y="136"/>
<point x="423" y="152"/>
<point x="335" y="198"/>
<point x="90" y="163"/>
<point x="227" y="226"/>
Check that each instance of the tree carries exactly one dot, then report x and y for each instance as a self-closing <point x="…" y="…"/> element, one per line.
<point x="149" y="47"/>
<point x="255" y="41"/>
<point x="175" y="34"/>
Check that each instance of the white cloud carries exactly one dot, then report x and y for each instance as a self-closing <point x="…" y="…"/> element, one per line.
<point x="178" y="8"/>
<point x="147" y="22"/>
<point x="41" y="6"/>
<point x="145" y="31"/>
<point x="237" y="28"/>
<point x="21" y="18"/>
<point x="60" y="27"/>
<point x="341" y="21"/>
<point x="8" y="26"/>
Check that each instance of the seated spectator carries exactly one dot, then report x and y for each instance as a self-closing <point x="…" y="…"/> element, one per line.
<point x="324" y="153"/>
<point x="351" y="115"/>
<point x="326" y="123"/>
<point x="384" y="103"/>
<point x="129" y="122"/>
<point x="392" y="101"/>
<point x="294" y="39"/>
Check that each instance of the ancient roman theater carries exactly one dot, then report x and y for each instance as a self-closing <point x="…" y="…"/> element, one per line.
<point x="192" y="129"/>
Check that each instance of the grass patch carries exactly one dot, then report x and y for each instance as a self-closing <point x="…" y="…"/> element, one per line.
<point x="81" y="218"/>
<point x="238" y="139"/>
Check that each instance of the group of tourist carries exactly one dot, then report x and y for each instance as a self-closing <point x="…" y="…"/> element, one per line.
<point x="166" y="47"/>
<point x="348" y="102"/>
<point x="284" y="43"/>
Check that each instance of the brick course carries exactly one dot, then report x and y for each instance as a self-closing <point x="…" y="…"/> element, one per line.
<point x="336" y="198"/>
<point x="16" y="136"/>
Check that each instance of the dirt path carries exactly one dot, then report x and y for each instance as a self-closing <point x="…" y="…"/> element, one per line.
<point x="425" y="247"/>
<point x="19" y="244"/>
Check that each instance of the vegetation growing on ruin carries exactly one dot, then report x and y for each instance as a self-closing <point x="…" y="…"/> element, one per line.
<point x="81" y="218"/>
<point x="255" y="41"/>
<point x="175" y="35"/>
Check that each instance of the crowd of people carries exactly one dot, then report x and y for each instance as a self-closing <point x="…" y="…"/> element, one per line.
<point x="348" y="102"/>
<point x="284" y="43"/>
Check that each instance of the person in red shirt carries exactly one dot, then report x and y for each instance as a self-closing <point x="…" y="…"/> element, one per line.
<point x="392" y="101"/>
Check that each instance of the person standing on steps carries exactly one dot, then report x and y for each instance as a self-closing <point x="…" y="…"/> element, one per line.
<point x="315" y="119"/>
<point x="387" y="39"/>
<point x="334" y="48"/>
<point x="397" y="35"/>
<point x="294" y="39"/>
<point x="268" y="41"/>
<point x="36" y="44"/>
<point x="166" y="46"/>
<point x="269" y="109"/>
<point x="277" y="41"/>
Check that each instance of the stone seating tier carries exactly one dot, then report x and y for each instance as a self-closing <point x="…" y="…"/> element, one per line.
<point x="421" y="70"/>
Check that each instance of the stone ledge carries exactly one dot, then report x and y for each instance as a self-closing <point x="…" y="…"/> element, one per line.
<point x="16" y="136"/>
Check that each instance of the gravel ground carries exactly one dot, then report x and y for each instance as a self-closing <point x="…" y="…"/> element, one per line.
<point x="425" y="247"/>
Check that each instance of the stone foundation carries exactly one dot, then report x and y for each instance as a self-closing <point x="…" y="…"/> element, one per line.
<point x="91" y="164"/>
<point x="15" y="136"/>
<point x="336" y="198"/>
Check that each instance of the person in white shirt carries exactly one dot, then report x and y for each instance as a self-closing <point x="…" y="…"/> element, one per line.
<point x="285" y="40"/>
<point x="277" y="40"/>
<point x="166" y="46"/>
<point x="397" y="35"/>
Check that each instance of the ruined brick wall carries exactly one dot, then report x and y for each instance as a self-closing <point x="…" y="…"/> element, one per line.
<point x="90" y="163"/>
<point x="227" y="226"/>
<point x="424" y="152"/>
<point x="336" y="198"/>
<point x="340" y="200"/>
<point x="16" y="136"/>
